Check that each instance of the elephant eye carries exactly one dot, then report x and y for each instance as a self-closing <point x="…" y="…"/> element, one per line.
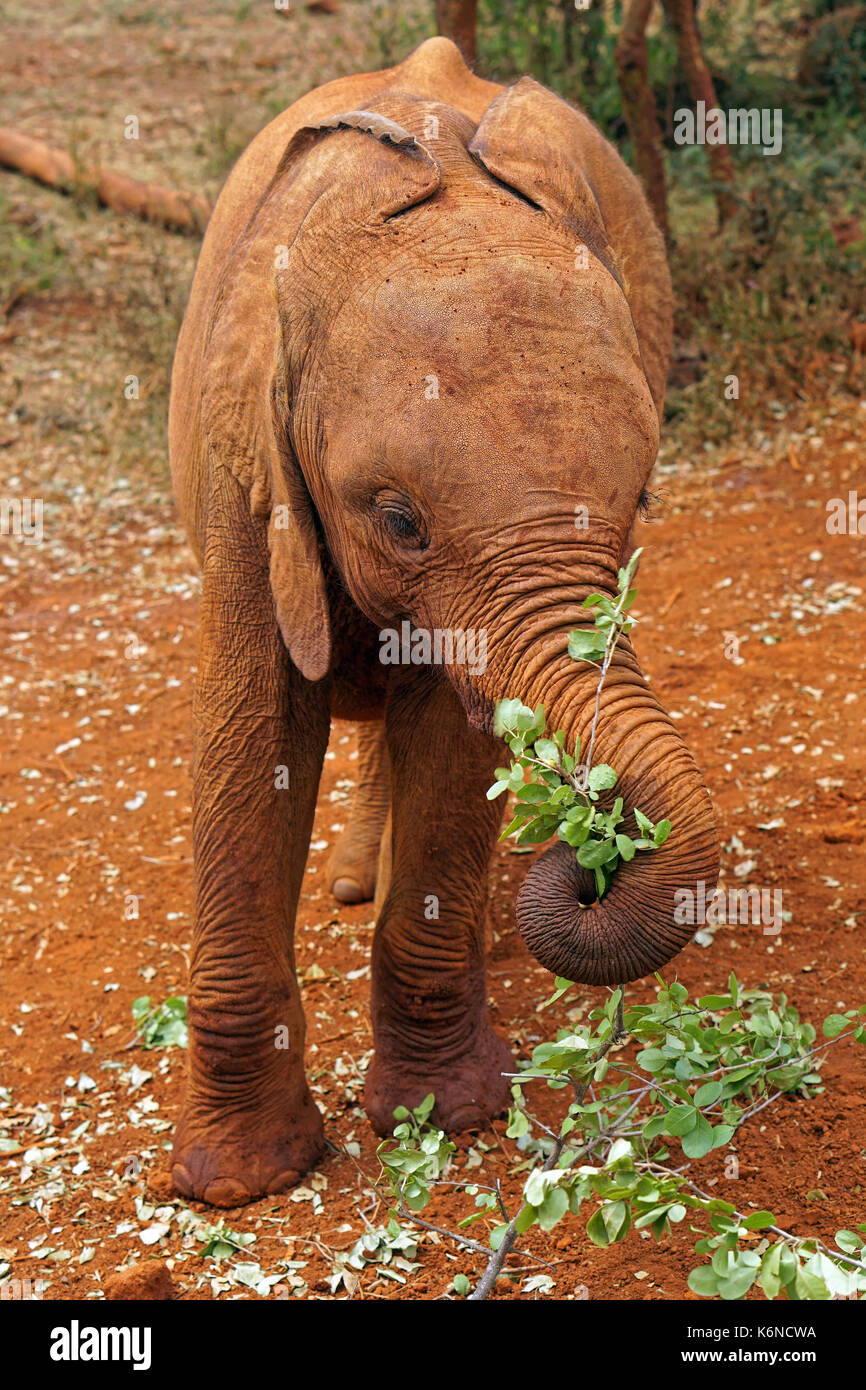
<point x="400" y="520"/>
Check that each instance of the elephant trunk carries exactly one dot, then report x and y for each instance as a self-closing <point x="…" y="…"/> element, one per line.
<point x="643" y="919"/>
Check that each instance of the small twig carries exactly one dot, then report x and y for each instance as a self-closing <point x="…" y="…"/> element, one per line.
<point x="663" y="612"/>
<point x="474" y="1245"/>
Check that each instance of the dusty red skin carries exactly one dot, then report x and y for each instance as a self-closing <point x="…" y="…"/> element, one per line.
<point x="429" y="320"/>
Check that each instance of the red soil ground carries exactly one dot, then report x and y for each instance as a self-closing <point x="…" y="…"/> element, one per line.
<point x="99" y="639"/>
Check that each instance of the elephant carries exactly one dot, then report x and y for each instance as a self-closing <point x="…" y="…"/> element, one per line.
<point x="419" y="382"/>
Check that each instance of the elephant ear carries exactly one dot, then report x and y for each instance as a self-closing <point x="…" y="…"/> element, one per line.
<point x="352" y="172"/>
<point x="553" y="154"/>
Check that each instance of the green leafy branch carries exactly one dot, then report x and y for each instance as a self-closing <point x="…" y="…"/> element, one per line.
<point x="700" y="1072"/>
<point x="560" y="795"/>
<point x="161" y="1025"/>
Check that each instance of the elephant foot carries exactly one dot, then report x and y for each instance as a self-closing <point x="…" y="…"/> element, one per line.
<point x="229" y="1161"/>
<point x="470" y="1090"/>
<point x="352" y="868"/>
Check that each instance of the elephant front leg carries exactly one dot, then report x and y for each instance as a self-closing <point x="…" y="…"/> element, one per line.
<point x="248" y="1125"/>
<point x="429" y="1000"/>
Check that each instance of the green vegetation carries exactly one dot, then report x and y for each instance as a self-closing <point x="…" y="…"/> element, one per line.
<point x="648" y="1091"/>
<point x="560" y="796"/>
<point x="161" y="1025"/>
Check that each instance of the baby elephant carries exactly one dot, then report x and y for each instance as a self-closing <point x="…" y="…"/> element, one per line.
<point x="415" y="403"/>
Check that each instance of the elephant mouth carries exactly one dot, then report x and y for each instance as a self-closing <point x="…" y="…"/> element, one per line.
<point x="478" y="706"/>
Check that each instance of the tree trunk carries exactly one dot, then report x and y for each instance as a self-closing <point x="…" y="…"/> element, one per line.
<point x="639" y="107"/>
<point x="702" y="88"/>
<point x="455" y="19"/>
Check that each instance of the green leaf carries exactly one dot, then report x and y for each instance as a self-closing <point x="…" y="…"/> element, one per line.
<point x="769" y="1275"/>
<point x="547" y="751"/>
<point x="601" y="777"/>
<point x="595" y="853"/>
<point x="525" y="1218"/>
<point x="561" y="985"/>
<point x="757" y="1220"/>
<point x="505" y="715"/>
<point x="737" y="1284"/>
<point x="651" y="1059"/>
<point x="423" y="1110"/>
<point x="835" y="1024"/>
<point x="654" y="1127"/>
<point x="627" y="573"/>
<point x="511" y="827"/>
<point x="533" y="793"/>
<point x="597" y="1230"/>
<point x="704" y="1281"/>
<point x="615" y="1216"/>
<point x="573" y="833"/>
<point x="518" y="1124"/>
<point x="722" y="1134"/>
<point x="553" y="1208"/>
<point x="585" y="645"/>
<point x="708" y="1094"/>
<point x="536" y="832"/>
<point x="497" y="1235"/>
<point x="661" y="832"/>
<point x="681" y="1120"/>
<point x="699" y="1140"/>
<point x="625" y="845"/>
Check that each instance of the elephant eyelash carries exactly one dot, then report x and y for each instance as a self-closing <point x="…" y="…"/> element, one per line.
<point x="402" y="525"/>
<point x="647" y="503"/>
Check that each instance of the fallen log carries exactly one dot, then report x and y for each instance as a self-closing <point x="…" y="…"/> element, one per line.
<point x="183" y="212"/>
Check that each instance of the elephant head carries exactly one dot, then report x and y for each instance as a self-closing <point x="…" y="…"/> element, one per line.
<point x="470" y="327"/>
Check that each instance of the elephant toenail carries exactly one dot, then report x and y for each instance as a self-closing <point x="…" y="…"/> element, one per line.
<point x="182" y="1180"/>
<point x="227" y="1192"/>
<point x="348" y="890"/>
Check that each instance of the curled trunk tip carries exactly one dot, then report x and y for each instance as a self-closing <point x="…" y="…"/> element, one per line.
<point x="632" y="931"/>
